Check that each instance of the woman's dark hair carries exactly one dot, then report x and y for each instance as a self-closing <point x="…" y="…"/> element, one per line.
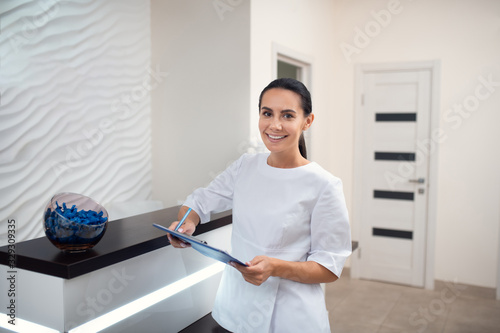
<point x="300" y="89"/>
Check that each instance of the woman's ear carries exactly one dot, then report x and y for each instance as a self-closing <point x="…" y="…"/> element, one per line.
<point x="309" y="121"/>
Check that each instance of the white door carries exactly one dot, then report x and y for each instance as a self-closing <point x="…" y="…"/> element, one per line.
<point x="395" y="117"/>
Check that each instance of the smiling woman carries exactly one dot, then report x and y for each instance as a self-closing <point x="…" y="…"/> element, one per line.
<point x="290" y="224"/>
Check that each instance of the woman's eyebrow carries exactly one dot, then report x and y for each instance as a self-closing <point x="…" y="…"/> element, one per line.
<point x="282" y="111"/>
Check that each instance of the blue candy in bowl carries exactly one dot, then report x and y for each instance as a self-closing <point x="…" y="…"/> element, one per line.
<point x="74" y="222"/>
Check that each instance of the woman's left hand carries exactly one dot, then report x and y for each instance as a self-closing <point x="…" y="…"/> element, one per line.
<point x="258" y="270"/>
<point x="262" y="267"/>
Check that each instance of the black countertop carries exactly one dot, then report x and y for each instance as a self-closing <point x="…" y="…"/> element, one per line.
<point x="124" y="239"/>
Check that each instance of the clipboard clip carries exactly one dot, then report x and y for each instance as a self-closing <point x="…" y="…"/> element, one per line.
<point x="201" y="241"/>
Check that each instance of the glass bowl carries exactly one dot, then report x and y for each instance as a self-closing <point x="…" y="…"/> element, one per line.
<point x="74" y="222"/>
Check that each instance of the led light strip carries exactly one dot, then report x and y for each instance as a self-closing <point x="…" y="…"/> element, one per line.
<point x="148" y="300"/>
<point x="127" y="310"/>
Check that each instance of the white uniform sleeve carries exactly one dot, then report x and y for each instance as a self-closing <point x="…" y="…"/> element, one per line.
<point x="330" y="230"/>
<point x="217" y="196"/>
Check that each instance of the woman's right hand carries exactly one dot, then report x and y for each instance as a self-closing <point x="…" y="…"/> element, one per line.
<point x="187" y="228"/>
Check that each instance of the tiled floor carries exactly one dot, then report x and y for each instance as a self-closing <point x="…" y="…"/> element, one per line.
<point x="358" y="306"/>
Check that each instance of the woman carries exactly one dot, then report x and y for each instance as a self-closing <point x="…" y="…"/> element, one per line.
<point x="290" y="224"/>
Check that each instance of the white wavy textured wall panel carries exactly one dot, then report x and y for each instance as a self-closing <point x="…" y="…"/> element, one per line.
<point x="75" y="82"/>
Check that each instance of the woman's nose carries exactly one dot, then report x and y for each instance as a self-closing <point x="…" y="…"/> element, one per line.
<point x="276" y="124"/>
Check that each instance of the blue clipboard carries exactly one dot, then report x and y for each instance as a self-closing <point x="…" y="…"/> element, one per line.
<point x="202" y="246"/>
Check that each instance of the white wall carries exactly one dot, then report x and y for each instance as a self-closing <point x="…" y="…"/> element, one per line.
<point x="465" y="37"/>
<point x="200" y="119"/>
<point x="75" y="108"/>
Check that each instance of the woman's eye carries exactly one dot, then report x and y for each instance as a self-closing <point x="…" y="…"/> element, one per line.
<point x="266" y="114"/>
<point x="288" y="116"/>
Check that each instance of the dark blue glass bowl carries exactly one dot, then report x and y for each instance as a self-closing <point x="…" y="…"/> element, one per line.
<point x="74" y="222"/>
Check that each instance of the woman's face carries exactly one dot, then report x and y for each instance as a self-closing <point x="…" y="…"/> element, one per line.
<point x="282" y="120"/>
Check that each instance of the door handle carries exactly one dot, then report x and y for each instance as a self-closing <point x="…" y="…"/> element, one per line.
<point x="418" y="181"/>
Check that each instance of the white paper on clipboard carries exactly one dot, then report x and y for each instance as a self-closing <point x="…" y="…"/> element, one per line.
<point x="202" y="246"/>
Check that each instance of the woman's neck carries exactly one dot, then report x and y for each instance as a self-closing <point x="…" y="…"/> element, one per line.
<point x="286" y="161"/>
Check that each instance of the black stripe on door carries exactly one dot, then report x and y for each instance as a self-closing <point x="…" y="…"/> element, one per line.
<point x="393" y="195"/>
<point x="392" y="233"/>
<point x="384" y="156"/>
<point x="395" y="117"/>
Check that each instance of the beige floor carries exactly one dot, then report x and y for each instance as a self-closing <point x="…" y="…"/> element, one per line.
<point x="358" y="306"/>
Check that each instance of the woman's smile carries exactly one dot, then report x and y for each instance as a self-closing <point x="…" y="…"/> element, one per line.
<point x="275" y="138"/>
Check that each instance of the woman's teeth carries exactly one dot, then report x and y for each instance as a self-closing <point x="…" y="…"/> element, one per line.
<point x="276" y="137"/>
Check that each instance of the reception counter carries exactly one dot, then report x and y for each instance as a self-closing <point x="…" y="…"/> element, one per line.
<point x="131" y="281"/>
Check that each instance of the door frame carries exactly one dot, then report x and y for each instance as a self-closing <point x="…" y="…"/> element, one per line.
<point x="360" y="70"/>
<point x="498" y="267"/>
<point x="285" y="54"/>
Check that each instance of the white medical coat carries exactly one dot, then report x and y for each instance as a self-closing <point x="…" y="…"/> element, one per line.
<point x="296" y="214"/>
